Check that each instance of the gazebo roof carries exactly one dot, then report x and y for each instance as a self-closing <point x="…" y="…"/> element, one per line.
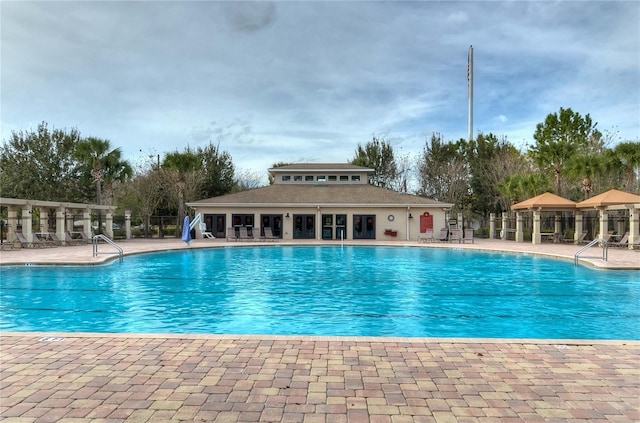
<point x="612" y="197"/>
<point x="546" y="201"/>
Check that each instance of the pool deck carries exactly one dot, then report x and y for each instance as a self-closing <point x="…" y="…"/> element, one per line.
<point x="71" y="377"/>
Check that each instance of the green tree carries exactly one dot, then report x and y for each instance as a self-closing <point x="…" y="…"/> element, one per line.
<point x="377" y="155"/>
<point x="626" y="160"/>
<point x="104" y="164"/>
<point x="443" y="173"/>
<point x="559" y="139"/>
<point x="40" y="165"/>
<point x="491" y="161"/>
<point x="519" y="187"/>
<point x="143" y="194"/>
<point x="180" y="168"/>
<point x="218" y="171"/>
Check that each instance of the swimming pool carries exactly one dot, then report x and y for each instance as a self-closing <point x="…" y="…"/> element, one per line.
<point x="326" y="290"/>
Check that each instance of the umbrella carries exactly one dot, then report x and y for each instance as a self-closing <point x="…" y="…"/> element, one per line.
<point x="186" y="231"/>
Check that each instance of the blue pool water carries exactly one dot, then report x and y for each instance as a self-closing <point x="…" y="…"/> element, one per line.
<point x="363" y="291"/>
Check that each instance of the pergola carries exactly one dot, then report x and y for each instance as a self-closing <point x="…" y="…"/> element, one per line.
<point x="546" y="202"/>
<point x="615" y="200"/>
<point x="63" y="219"/>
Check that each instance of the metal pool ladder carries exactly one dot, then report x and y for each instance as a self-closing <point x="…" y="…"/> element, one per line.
<point x="605" y="250"/>
<point x="99" y="237"/>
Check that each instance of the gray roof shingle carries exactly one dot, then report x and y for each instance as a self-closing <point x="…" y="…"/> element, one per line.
<point x="319" y="195"/>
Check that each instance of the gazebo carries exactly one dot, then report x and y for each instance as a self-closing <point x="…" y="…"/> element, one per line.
<point x="546" y="202"/>
<point x="615" y="200"/>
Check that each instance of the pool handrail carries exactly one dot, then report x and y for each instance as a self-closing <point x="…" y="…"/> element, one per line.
<point x="96" y="239"/>
<point x="591" y="244"/>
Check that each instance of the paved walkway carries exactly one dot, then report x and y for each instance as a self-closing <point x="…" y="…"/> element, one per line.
<point x="142" y="378"/>
<point x="285" y="379"/>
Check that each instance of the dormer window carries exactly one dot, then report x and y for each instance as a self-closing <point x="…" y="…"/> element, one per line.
<point x="333" y="178"/>
<point x="321" y="178"/>
<point x="344" y="178"/>
<point x="286" y="178"/>
<point x="355" y="177"/>
<point x="308" y="178"/>
<point x="297" y="178"/>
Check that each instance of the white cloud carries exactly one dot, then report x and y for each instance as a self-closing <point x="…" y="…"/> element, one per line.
<point x="286" y="81"/>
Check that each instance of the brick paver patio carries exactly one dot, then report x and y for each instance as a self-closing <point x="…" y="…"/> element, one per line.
<point x="125" y="378"/>
<point x="142" y="378"/>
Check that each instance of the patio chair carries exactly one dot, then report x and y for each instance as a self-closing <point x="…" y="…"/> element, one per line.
<point x="468" y="235"/>
<point x="42" y="241"/>
<point x="580" y="239"/>
<point x="204" y="232"/>
<point x="624" y="241"/>
<point x="268" y="234"/>
<point x="54" y="238"/>
<point x="23" y="241"/>
<point x="456" y="236"/>
<point x="426" y="236"/>
<point x="70" y="240"/>
<point x="244" y="234"/>
<point x="444" y="235"/>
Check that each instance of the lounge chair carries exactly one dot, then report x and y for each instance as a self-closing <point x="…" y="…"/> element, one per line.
<point x="624" y="241"/>
<point x="231" y="234"/>
<point x="43" y="241"/>
<point x="23" y="241"/>
<point x="243" y="234"/>
<point x="268" y="234"/>
<point x="456" y="236"/>
<point x="580" y="239"/>
<point x="204" y="232"/>
<point x="54" y="238"/>
<point x="468" y="236"/>
<point x="444" y="235"/>
<point x="426" y="236"/>
<point x="70" y="240"/>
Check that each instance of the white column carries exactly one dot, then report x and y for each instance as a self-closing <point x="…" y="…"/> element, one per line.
<point x="536" y="238"/>
<point x="86" y="222"/>
<point x="505" y="223"/>
<point x="27" y="228"/>
<point x="127" y="224"/>
<point x="603" y="226"/>
<point x="492" y="225"/>
<point x="578" y="226"/>
<point x="12" y="222"/>
<point x="519" y="228"/>
<point x="60" y="223"/>
<point x="109" y="228"/>
<point x="634" y="226"/>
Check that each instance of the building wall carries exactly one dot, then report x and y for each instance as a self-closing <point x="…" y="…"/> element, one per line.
<point x="405" y="228"/>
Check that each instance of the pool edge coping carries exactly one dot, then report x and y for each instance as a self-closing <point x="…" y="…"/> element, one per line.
<point x="323" y="338"/>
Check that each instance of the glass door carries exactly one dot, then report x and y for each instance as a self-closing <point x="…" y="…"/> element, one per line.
<point x="304" y="226"/>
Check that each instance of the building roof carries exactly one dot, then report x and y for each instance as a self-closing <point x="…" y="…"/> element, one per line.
<point x="319" y="195"/>
<point x="547" y="201"/>
<point x="320" y="167"/>
<point x="612" y="197"/>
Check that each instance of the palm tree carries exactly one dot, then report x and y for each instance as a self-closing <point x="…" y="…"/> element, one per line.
<point x="105" y="165"/>
<point x="587" y="167"/>
<point x="627" y="158"/>
<point x="179" y="166"/>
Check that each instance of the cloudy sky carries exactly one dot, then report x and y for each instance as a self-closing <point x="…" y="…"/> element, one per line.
<point x="307" y="81"/>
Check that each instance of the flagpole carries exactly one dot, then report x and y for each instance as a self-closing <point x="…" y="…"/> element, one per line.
<point x="470" y="82"/>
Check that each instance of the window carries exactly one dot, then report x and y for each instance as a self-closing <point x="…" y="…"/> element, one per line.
<point x="297" y="178"/>
<point x="355" y="177"/>
<point x="321" y="178"/>
<point x="308" y="178"/>
<point x="286" y="178"/>
<point x="333" y="178"/>
<point x="344" y="178"/>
